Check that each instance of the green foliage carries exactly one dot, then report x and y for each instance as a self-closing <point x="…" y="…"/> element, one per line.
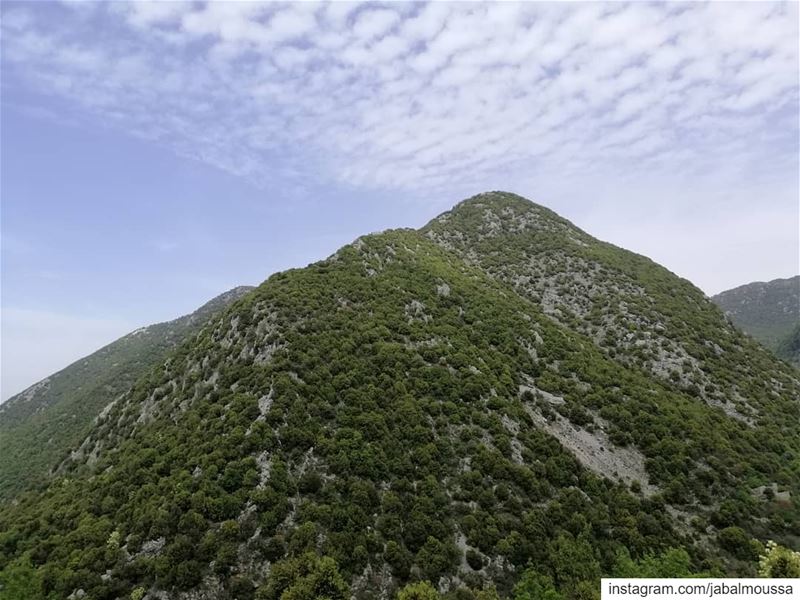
<point x="767" y="311"/>
<point x="387" y="407"/>
<point x="20" y="581"/>
<point x="474" y="559"/>
<point x="738" y="543"/>
<point x="40" y="426"/>
<point x="138" y="593"/>
<point x="788" y="347"/>
<point x="574" y="559"/>
<point x="671" y="563"/>
<point x="778" y="561"/>
<point x="489" y="592"/>
<point x="436" y="557"/>
<point x="422" y="590"/>
<point x="534" y="586"/>
<point x="308" y="577"/>
<point x="665" y="320"/>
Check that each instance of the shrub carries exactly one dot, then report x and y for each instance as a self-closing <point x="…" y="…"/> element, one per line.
<point x="421" y="590"/>
<point x="778" y="561"/>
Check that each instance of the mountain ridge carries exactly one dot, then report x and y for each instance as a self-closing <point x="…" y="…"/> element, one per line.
<point x="41" y="422"/>
<point x="441" y="404"/>
<point x="769" y="311"/>
<point x="563" y="281"/>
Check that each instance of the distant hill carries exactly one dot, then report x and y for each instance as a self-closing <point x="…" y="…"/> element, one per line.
<point x="789" y="347"/>
<point x="496" y="392"/>
<point x="768" y="311"/>
<point x="40" y="425"/>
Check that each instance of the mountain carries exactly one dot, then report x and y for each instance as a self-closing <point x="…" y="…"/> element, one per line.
<point x="495" y="399"/>
<point x="770" y="312"/>
<point x="39" y="426"/>
<point x="789" y="346"/>
<point x="633" y="310"/>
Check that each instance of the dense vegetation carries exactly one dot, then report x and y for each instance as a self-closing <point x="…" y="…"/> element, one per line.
<point x="40" y="426"/>
<point x="770" y="312"/>
<point x="789" y="347"/>
<point x="637" y="312"/>
<point x="397" y="415"/>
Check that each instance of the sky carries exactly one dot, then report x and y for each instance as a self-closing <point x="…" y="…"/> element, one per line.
<point x="155" y="154"/>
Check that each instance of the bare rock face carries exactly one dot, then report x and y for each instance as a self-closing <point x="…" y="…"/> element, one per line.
<point x="597" y="452"/>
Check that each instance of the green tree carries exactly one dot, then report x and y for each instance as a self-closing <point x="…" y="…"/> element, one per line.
<point x="487" y="593"/>
<point x="421" y="590"/>
<point x="674" y="562"/>
<point x="738" y="543"/>
<point x="778" y="561"/>
<point x="573" y="560"/>
<point x="20" y="581"/>
<point x="308" y="577"/>
<point x="436" y="557"/>
<point x="535" y="586"/>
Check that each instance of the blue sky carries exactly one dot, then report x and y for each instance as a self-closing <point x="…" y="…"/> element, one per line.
<point x="155" y="154"/>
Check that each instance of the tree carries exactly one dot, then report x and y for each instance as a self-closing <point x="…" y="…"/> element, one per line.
<point x="737" y="542"/>
<point x="422" y="590"/>
<point x="573" y="560"/>
<point x="489" y="592"/>
<point x="674" y="562"/>
<point x="778" y="561"/>
<point x="535" y="586"/>
<point x="308" y="577"/>
<point x="398" y="558"/>
<point x="436" y="557"/>
<point x="20" y="581"/>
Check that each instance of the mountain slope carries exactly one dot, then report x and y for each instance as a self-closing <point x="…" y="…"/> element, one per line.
<point x="39" y="426"/>
<point x="635" y="311"/>
<point x="410" y="414"/>
<point x="770" y="312"/>
<point x="789" y="347"/>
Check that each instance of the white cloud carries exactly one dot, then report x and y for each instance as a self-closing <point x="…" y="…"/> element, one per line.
<point x="337" y="13"/>
<point x="671" y="129"/>
<point x="145" y="13"/>
<point x="289" y="24"/>
<point x="419" y="96"/>
<point x="372" y="23"/>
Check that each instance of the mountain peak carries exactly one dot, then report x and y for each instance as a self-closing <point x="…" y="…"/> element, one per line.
<point x="622" y="301"/>
<point x="492" y="215"/>
<point x="496" y="390"/>
<point x="499" y="202"/>
<point x="501" y="197"/>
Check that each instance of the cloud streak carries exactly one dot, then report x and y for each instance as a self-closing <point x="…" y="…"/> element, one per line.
<point x="423" y="97"/>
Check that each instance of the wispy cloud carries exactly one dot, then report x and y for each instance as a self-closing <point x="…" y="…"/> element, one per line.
<point x="423" y="96"/>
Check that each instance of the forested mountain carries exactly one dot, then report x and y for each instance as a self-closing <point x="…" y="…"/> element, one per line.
<point x="497" y="399"/>
<point x="41" y="425"/>
<point x="789" y="346"/>
<point x="770" y="312"/>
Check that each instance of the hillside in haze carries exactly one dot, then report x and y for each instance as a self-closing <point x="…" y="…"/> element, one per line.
<point x="39" y="426"/>
<point x="496" y="399"/>
<point x="770" y="312"/>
